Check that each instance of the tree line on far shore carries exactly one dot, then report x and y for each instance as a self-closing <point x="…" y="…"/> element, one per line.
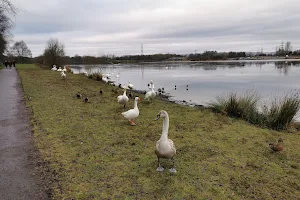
<point x="54" y="53"/>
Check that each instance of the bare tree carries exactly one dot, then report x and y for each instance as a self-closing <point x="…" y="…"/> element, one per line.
<point x="21" y="50"/>
<point x="54" y="52"/>
<point x="288" y="47"/>
<point x="7" y="10"/>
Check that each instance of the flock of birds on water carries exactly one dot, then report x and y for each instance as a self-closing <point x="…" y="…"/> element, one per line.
<point x="165" y="147"/>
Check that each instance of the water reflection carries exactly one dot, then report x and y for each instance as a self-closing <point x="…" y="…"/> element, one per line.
<point x="205" y="80"/>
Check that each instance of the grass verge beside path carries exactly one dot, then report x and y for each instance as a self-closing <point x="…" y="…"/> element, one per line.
<point x="94" y="153"/>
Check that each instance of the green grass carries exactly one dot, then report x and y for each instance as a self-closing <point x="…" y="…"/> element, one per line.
<point x="94" y="153"/>
<point x="278" y="116"/>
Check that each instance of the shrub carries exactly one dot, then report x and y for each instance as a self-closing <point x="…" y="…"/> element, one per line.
<point x="96" y="76"/>
<point x="281" y="113"/>
<point x="244" y="106"/>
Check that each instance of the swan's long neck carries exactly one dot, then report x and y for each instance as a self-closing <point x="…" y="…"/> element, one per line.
<point x="135" y="105"/>
<point x="124" y="94"/>
<point x="165" y="129"/>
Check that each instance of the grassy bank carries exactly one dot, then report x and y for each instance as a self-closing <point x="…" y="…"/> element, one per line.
<point x="93" y="152"/>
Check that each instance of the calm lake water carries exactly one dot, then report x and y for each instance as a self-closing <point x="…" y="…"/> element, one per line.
<point x="206" y="81"/>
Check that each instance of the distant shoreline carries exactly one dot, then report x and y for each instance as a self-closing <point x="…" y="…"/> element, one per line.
<point x="228" y="61"/>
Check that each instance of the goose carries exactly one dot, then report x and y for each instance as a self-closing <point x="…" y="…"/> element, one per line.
<point x="85" y="73"/>
<point x="165" y="147"/>
<point x="130" y="85"/>
<point x="151" y="85"/>
<point x="54" y="68"/>
<point x="59" y="69"/>
<point x="132" y="113"/>
<point x="104" y="78"/>
<point x="123" y="99"/>
<point x="150" y="94"/>
<point x="63" y="75"/>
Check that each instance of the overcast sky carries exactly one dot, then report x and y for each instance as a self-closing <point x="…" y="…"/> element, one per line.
<point x="94" y="27"/>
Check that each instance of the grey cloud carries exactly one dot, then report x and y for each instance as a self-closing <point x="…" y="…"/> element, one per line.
<point x="120" y="26"/>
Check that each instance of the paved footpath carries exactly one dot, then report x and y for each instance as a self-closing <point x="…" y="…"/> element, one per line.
<point x="18" y="176"/>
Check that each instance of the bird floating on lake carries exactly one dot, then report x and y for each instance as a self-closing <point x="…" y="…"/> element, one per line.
<point x="132" y="113"/>
<point x="165" y="147"/>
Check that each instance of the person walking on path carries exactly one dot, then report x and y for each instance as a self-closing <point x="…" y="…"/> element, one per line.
<point x="19" y="178"/>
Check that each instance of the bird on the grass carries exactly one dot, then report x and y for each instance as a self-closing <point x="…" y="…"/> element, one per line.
<point x="79" y="96"/>
<point x="86" y="100"/>
<point x="130" y="94"/>
<point x="101" y="92"/>
<point x="277" y="147"/>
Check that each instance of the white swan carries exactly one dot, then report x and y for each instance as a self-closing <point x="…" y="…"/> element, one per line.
<point x="54" y="68"/>
<point x="59" y="69"/>
<point x="151" y="85"/>
<point x="104" y="78"/>
<point x="118" y="75"/>
<point x="150" y="95"/>
<point x="132" y="113"/>
<point x="165" y="147"/>
<point x="63" y="75"/>
<point x="123" y="99"/>
<point x="85" y="73"/>
<point x="130" y="85"/>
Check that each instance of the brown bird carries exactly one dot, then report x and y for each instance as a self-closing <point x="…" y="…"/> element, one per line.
<point x="277" y="147"/>
<point x="101" y="92"/>
<point x="86" y="100"/>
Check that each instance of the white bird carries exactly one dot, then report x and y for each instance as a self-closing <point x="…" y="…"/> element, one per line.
<point x="63" y="75"/>
<point x="150" y="95"/>
<point x="107" y="75"/>
<point x="151" y="84"/>
<point x="123" y="99"/>
<point x="118" y="75"/>
<point x="132" y="113"/>
<point x="59" y="69"/>
<point x="130" y="85"/>
<point x="64" y="69"/>
<point x="53" y="68"/>
<point x="165" y="147"/>
<point x="85" y="73"/>
<point x="104" y="78"/>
